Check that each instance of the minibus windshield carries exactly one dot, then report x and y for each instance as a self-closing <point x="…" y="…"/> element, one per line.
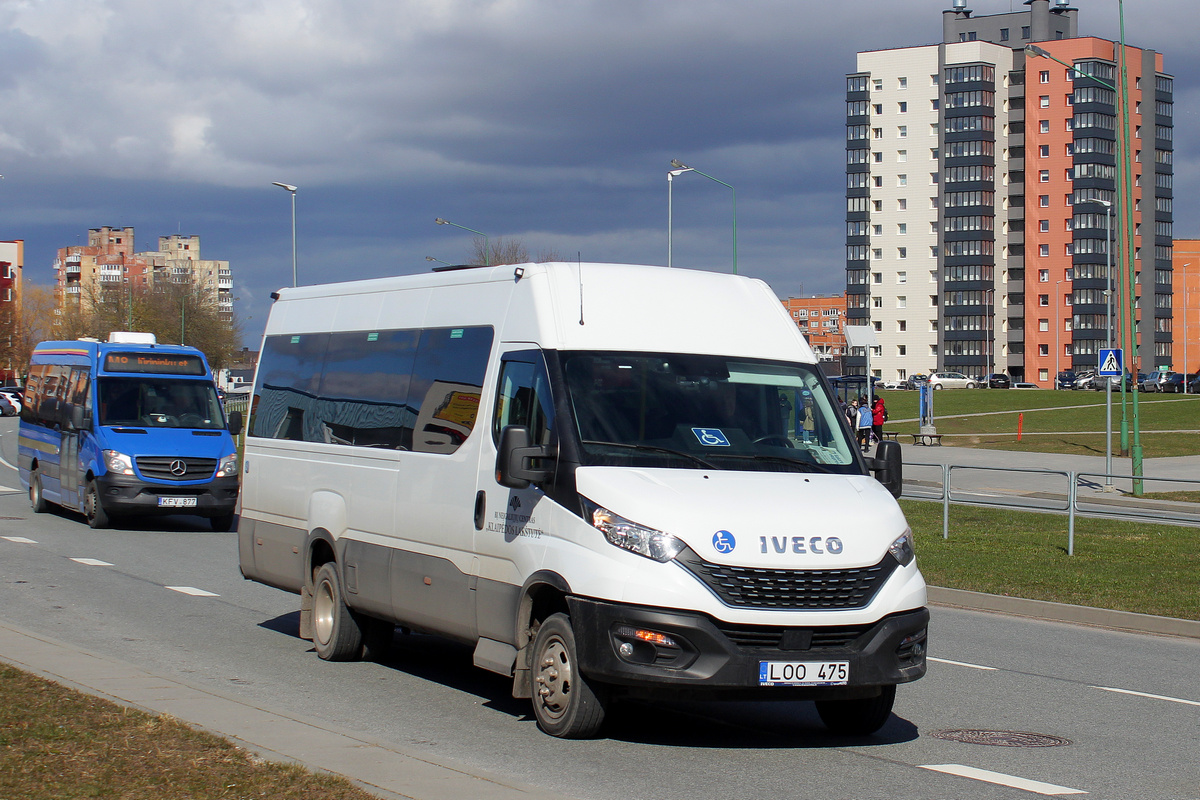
<point x="705" y="412"/>
<point x="156" y="402"/>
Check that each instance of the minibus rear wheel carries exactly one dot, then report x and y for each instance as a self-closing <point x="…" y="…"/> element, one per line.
<point x="860" y="717"/>
<point x="336" y="634"/>
<point x="565" y="703"/>
<point x="36" y="498"/>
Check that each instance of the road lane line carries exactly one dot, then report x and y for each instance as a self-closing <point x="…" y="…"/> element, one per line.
<point x="1001" y="779"/>
<point x="960" y="663"/>
<point x="92" y="562"/>
<point x="19" y="539"/>
<point x="1151" y="696"/>
<point x="193" y="591"/>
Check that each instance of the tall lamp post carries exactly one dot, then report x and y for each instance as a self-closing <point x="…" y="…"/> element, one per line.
<point x="679" y="170"/>
<point x="671" y="176"/>
<point x="486" y="247"/>
<point x="1108" y="290"/>
<point x="291" y="190"/>
<point x="1125" y="234"/>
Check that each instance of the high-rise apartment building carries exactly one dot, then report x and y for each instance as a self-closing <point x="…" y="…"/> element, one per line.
<point x="978" y="185"/>
<point x="12" y="265"/>
<point x="1186" y="310"/>
<point x="110" y="260"/>
<point x="821" y="318"/>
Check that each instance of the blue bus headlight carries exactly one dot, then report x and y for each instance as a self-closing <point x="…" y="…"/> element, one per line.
<point x="117" y="462"/>
<point x="228" y="466"/>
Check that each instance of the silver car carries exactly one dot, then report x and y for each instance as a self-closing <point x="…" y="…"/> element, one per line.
<point x="952" y="380"/>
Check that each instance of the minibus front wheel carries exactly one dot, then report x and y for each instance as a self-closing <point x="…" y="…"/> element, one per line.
<point x="565" y="703"/>
<point x="93" y="509"/>
<point x="858" y="717"/>
<point x="36" y="498"/>
<point x="336" y="634"/>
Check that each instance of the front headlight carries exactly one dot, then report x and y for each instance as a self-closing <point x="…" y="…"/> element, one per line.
<point x="228" y="466"/>
<point x="902" y="548"/>
<point x="117" y="462"/>
<point x="630" y="536"/>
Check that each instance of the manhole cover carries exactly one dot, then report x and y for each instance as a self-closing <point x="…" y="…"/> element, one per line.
<point x="1002" y="738"/>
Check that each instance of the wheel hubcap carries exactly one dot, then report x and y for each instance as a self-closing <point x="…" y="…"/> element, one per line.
<point x="554" y="678"/>
<point x="323" y="612"/>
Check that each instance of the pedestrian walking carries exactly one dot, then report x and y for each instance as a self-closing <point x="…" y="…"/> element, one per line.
<point x="863" y="431"/>
<point x="879" y="416"/>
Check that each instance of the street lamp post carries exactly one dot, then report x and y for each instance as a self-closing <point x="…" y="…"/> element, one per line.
<point x="291" y="190"/>
<point x="486" y="247"/>
<point x="671" y="176"/>
<point x="679" y="170"/>
<point x="438" y="260"/>
<point x="1125" y="234"/>
<point x="1108" y="286"/>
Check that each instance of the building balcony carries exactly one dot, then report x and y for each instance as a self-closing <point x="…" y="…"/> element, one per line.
<point x="72" y="270"/>
<point x="224" y="283"/>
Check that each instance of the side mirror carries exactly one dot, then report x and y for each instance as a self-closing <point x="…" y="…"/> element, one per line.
<point x="235" y="422"/>
<point x="519" y="462"/>
<point x="888" y="467"/>
<point x="78" y="418"/>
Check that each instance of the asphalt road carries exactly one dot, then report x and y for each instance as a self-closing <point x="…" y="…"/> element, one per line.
<point x="168" y="597"/>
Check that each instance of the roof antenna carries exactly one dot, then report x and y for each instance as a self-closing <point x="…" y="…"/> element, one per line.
<point x="579" y="263"/>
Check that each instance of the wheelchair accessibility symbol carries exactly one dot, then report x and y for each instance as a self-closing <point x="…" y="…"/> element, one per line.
<point x="723" y="542"/>
<point x="711" y="437"/>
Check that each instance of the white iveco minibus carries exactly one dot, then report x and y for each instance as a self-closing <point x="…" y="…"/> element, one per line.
<point x="609" y="480"/>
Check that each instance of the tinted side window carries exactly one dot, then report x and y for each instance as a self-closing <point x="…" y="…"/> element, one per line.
<point x="447" y="381"/>
<point x="33" y="393"/>
<point x="364" y="389"/>
<point x="524" y="397"/>
<point x="289" y="377"/>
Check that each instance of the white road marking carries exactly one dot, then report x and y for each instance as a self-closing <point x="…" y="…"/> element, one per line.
<point x="960" y="664"/>
<point x="92" y="562"/>
<point x="1000" y="778"/>
<point x="19" y="539"/>
<point x="193" y="591"/>
<point x="1151" y="696"/>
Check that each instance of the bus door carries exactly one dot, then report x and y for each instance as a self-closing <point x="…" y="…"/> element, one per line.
<point x="72" y="469"/>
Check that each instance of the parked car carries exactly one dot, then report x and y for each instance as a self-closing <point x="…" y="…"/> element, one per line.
<point x="998" y="380"/>
<point x="951" y="380"/>
<point x="917" y="379"/>
<point x="1066" y="379"/>
<point x="1084" y="380"/>
<point x="1173" y="383"/>
<point x="893" y="385"/>
<point x="7" y="406"/>
<point x="1154" y="381"/>
<point x="1193" y="385"/>
<point x="1130" y="382"/>
<point x="15" y="395"/>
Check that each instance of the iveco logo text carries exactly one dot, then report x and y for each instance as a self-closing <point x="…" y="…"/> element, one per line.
<point x="178" y="467"/>
<point x="800" y="544"/>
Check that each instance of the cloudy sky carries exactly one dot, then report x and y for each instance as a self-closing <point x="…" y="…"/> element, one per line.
<point x="550" y="121"/>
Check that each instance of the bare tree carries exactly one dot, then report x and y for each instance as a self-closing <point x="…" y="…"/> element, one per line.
<point x="508" y="251"/>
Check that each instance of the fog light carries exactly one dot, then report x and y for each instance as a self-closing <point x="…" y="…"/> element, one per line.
<point x="626" y="649"/>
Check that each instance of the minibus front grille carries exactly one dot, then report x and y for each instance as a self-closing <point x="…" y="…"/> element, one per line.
<point x="767" y="637"/>
<point x="174" y="468"/>
<point x="789" y="589"/>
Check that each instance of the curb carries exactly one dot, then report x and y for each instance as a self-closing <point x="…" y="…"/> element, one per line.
<point x="1063" y="612"/>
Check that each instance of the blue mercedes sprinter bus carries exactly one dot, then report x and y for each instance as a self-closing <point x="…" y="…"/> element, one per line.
<point x="127" y="428"/>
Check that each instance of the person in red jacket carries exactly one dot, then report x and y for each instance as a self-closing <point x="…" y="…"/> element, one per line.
<point x="878" y="417"/>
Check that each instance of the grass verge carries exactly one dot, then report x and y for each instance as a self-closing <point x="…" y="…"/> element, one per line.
<point x="57" y="743"/>
<point x="1148" y="569"/>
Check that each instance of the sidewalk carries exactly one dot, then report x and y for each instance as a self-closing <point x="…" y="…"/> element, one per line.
<point x="381" y="768"/>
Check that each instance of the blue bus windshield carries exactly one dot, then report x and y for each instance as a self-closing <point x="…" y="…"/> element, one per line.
<point x="157" y="402"/>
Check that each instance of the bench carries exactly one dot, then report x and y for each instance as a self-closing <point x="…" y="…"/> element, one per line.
<point x="892" y="436"/>
<point x="927" y="439"/>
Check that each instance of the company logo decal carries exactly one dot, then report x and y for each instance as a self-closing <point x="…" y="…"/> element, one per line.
<point x="818" y="545"/>
<point x="178" y="467"/>
<point x="723" y="542"/>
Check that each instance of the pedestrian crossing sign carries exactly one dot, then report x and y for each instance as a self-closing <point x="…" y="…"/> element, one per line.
<point x="1110" y="361"/>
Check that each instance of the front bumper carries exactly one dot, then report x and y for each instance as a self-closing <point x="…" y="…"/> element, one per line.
<point x="127" y="495"/>
<point x="712" y="657"/>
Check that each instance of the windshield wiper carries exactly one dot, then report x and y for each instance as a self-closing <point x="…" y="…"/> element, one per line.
<point x="654" y="448"/>
<point x="808" y="466"/>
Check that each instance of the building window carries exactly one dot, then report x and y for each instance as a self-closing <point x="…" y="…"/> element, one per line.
<point x="877" y="253"/>
<point x="902" y="228"/>
<point x="1024" y="31"/>
<point x="902" y="252"/>
<point x="901" y="350"/>
<point x="877" y="230"/>
<point x="1044" y="225"/>
<point x="878" y="157"/>
<point x="1044" y="101"/>
<point x="877" y="84"/>
<point x="902" y="180"/>
<point x="934" y="104"/>
<point x="1044" y="76"/>
<point x="1043" y="250"/>
<point x="902" y="131"/>
<point x="1043" y="276"/>
<point x="902" y="204"/>
<point x="1044" y="151"/>
<point x="877" y="277"/>
<point x="1043" y="349"/>
<point x="1044" y="200"/>
<point x="877" y="180"/>
<point x="1043" y="300"/>
<point x="1043" y="324"/>
<point x="902" y="83"/>
<point x="1004" y="34"/>
<point x="902" y="155"/>
<point x="877" y="133"/>
<point x="877" y="108"/>
<point x="1044" y="176"/>
<point x="901" y="302"/>
<point x="876" y="302"/>
<point x="1043" y="126"/>
<point x="901" y="277"/>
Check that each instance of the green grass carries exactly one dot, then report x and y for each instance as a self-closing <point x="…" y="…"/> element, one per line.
<point x="1148" y="569"/>
<point x="56" y="743"/>
<point x="1051" y="422"/>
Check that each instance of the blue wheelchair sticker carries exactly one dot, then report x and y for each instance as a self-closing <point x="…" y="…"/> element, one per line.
<point x="711" y="437"/>
<point x="723" y="542"/>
